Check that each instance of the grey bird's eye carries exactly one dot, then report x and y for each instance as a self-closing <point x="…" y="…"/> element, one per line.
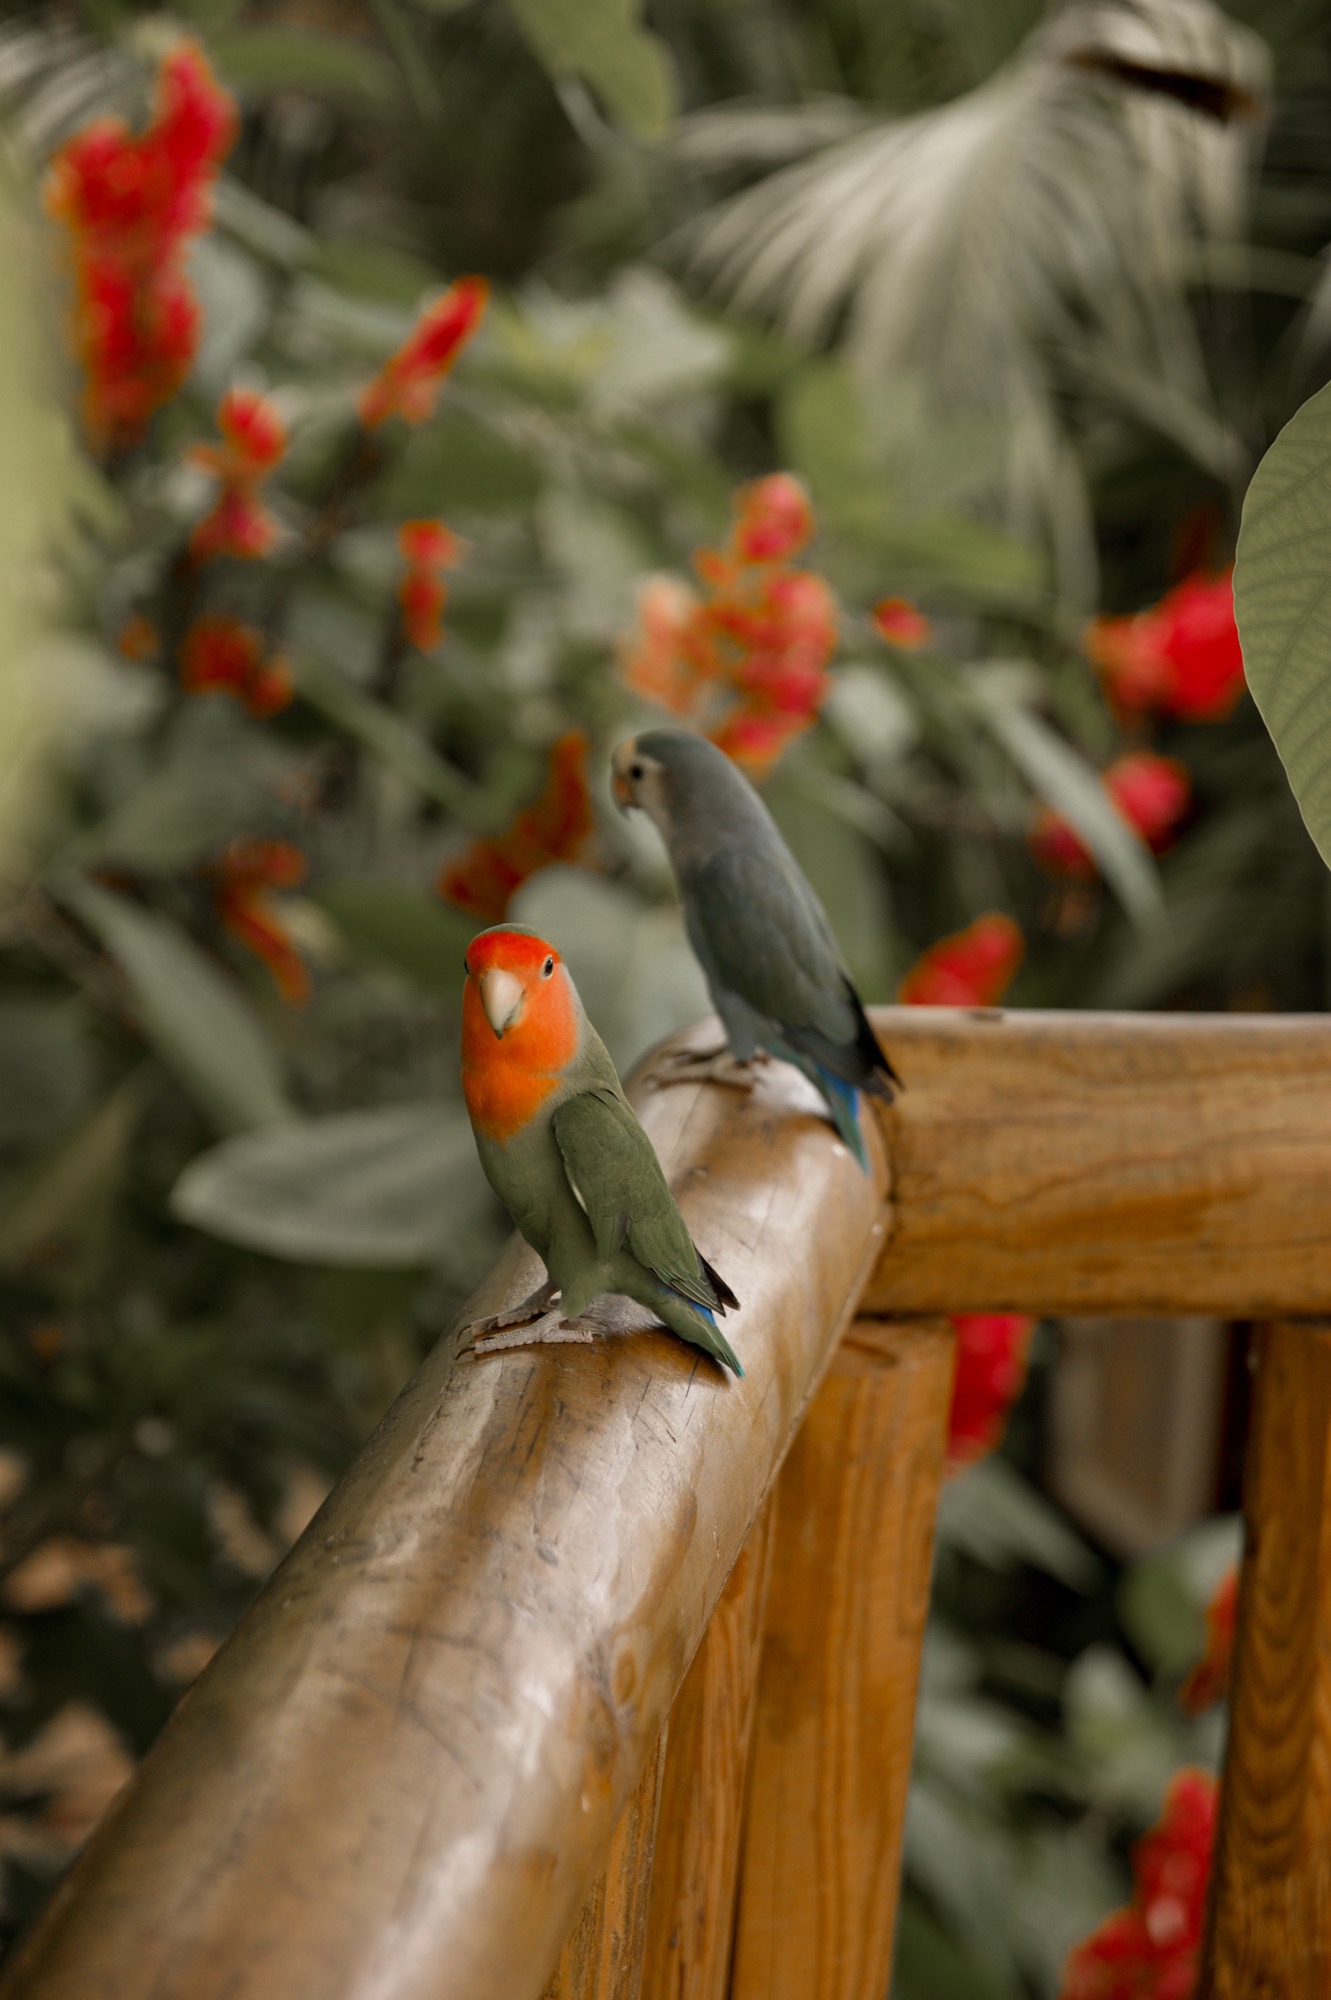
<point x="547" y="968"/>
<point x="637" y="771"/>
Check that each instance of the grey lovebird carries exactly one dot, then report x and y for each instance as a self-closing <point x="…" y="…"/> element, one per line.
<point x="563" y="1150"/>
<point x="759" y="931"/>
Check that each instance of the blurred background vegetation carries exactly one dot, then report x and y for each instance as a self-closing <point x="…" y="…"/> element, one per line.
<point x="1020" y="293"/>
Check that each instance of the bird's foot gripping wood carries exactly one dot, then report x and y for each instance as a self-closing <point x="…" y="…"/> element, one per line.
<point x="709" y="1066"/>
<point x="550" y="1330"/>
<point x="532" y="1309"/>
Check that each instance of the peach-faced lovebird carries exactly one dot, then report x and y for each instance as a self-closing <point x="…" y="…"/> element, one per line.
<point x="563" y="1150"/>
<point x="758" y="929"/>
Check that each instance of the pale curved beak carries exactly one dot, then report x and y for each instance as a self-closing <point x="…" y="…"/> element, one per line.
<point x="502" y="995"/>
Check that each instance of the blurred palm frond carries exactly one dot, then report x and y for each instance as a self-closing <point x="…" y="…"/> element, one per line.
<point x="1050" y="209"/>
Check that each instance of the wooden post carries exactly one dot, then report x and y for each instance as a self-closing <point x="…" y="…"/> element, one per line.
<point x="831" y="1754"/>
<point x="691" y="1920"/>
<point x="1270" y="1918"/>
<point x="602" y="1959"/>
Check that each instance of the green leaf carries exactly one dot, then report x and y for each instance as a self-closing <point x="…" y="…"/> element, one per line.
<point x="874" y="472"/>
<point x="213" y="779"/>
<point x="196" y="1020"/>
<point x="45" y="1066"/>
<point x="1282" y="598"/>
<point x="390" y="1188"/>
<point x="1061" y="776"/>
<point x="64" y="1200"/>
<point x="931" y="1965"/>
<point x="272" y="59"/>
<point x="391" y="739"/>
<point x="412" y="932"/>
<point x="457" y="465"/>
<point x="601" y="41"/>
<point x="991" y="1514"/>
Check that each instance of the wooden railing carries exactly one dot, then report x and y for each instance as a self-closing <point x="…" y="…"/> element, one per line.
<point x="595" y="1677"/>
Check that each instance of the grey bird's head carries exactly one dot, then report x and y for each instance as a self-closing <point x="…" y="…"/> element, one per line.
<point x="682" y="782"/>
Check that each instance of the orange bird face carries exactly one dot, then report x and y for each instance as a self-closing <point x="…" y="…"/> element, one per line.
<point x="520" y="1028"/>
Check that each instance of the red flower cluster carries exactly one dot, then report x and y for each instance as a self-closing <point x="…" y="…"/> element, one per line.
<point x="427" y="549"/>
<point x="1148" y="1951"/>
<point x="901" y="623"/>
<point x="254" y="438"/>
<point x="747" y="661"/>
<point x="1181" y="656"/>
<point x="1208" y="1682"/>
<point x="220" y="656"/>
<point x="555" y="827"/>
<point x="408" y="383"/>
<point x="992" y="1351"/>
<point x="1153" y="795"/>
<point x="972" y="968"/>
<point x="131" y="206"/>
<point x="246" y="874"/>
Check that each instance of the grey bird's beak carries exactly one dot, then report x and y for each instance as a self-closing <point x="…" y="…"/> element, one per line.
<point x="620" y="786"/>
<point x="502" y="996"/>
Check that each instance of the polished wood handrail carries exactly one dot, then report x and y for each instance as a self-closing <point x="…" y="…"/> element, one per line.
<point x="397" y="1777"/>
<point x="1107" y="1163"/>
<point x="444" y="1729"/>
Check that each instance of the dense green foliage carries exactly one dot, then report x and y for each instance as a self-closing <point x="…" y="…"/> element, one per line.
<point x="1024" y="374"/>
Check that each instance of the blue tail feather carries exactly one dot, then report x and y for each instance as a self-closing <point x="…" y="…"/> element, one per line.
<point x="843" y="1101"/>
<point x="723" y="1351"/>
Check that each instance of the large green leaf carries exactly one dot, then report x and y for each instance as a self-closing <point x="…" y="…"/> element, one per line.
<point x="1282" y="598"/>
<point x="196" y="1020"/>
<point x="211" y="783"/>
<point x="414" y="933"/>
<point x="457" y="465"/>
<point x="1062" y="777"/>
<point x="46" y="1066"/>
<point x="61" y="1205"/>
<point x="390" y="1188"/>
<point x="267" y="59"/>
<point x="602" y="41"/>
<point x="382" y="731"/>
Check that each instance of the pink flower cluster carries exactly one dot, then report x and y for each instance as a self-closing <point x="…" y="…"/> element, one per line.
<point x="745" y="659"/>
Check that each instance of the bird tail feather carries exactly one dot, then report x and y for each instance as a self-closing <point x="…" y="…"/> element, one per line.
<point x="710" y="1339"/>
<point x="843" y="1101"/>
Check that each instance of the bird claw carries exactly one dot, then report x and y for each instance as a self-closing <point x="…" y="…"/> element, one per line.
<point x="526" y="1312"/>
<point x="708" y="1066"/>
<point x="549" y="1330"/>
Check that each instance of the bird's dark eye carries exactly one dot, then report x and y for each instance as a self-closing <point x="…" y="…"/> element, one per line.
<point x="547" y="968"/>
<point x="637" y="771"/>
<point x="466" y="970"/>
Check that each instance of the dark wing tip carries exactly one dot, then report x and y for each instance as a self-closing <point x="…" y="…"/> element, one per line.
<point x="725" y="1298"/>
<point x="884" y="1081"/>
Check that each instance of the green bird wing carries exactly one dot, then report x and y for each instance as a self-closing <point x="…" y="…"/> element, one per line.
<point x="617" y="1180"/>
<point x="762" y="934"/>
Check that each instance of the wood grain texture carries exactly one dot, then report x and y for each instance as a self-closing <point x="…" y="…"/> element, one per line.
<point x="399" y="1776"/>
<point x="602" y="1955"/>
<point x="691" y="1921"/>
<point x="1103" y="1163"/>
<point x="830" y="1760"/>
<point x="1270" y="1916"/>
